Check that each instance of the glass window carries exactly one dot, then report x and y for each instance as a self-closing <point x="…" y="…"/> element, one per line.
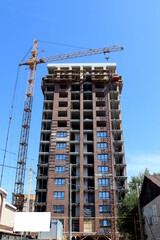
<point x="103" y="195"/>
<point x="60" y="157"/>
<point x="59" y="181"/>
<point x="104" y="209"/>
<point x="101" y="134"/>
<point x="61" y="145"/>
<point x="104" y="223"/>
<point x="59" y="195"/>
<point x="61" y="134"/>
<point x="102" y="157"/>
<point x="58" y="209"/>
<point x="102" y="145"/>
<point x="102" y="169"/>
<point x="155" y="216"/>
<point x="60" y="169"/>
<point x="103" y="182"/>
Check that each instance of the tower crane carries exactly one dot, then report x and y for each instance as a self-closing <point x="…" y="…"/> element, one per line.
<point x="33" y="61"/>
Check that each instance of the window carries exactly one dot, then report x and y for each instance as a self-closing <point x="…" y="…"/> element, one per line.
<point x="101" y="134"/>
<point x="101" y="124"/>
<point x="89" y="211"/>
<point x="62" y="123"/>
<point x="104" y="223"/>
<point x="155" y="217"/>
<point x="50" y="88"/>
<point x="60" y="157"/>
<point x="58" y="209"/>
<point x="102" y="157"/>
<point x="61" y="145"/>
<point x="103" y="195"/>
<point x="99" y="85"/>
<point x="60" y="169"/>
<point x="103" y="182"/>
<point x="62" y="113"/>
<point x="75" y="87"/>
<point x="102" y="169"/>
<point x="100" y="113"/>
<point x="61" y="134"/>
<point x="63" y="104"/>
<point x="59" y="195"/>
<point x="59" y="181"/>
<point x="63" y="86"/>
<point x="99" y="94"/>
<point x="104" y="209"/>
<point x="100" y="103"/>
<point x="102" y="145"/>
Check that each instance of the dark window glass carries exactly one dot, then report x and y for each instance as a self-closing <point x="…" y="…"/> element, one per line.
<point x="58" y="209"/>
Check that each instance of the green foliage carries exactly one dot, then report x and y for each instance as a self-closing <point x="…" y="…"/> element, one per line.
<point x="128" y="209"/>
<point x="156" y="174"/>
<point x="127" y="212"/>
<point x="137" y="179"/>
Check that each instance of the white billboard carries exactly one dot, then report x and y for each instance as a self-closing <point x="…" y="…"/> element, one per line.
<point x="32" y="222"/>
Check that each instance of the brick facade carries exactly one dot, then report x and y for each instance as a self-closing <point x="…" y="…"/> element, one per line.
<point x="82" y="100"/>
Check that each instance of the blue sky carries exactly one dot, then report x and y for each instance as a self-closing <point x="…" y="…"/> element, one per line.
<point x="86" y="24"/>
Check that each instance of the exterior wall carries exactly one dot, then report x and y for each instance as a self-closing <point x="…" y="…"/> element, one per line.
<point x="151" y="221"/>
<point x="6" y="213"/>
<point x="93" y="105"/>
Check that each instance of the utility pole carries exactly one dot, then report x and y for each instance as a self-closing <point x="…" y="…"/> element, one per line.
<point x="70" y="202"/>
<point x="28" y="197"/>
<point x="29" y="188"/>
<point x="139" y="212"/>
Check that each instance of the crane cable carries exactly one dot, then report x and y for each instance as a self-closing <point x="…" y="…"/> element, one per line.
<point x="10" y="118"/>
<point x="61" y="44"/>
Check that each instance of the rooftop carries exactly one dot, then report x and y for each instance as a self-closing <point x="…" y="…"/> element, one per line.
<point x="155" y="179"/>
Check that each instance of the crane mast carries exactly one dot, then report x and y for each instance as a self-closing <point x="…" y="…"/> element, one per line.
<point x="17" y="196"/>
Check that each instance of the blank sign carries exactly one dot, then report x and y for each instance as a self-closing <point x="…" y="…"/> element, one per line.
<point x="32" y="221"/>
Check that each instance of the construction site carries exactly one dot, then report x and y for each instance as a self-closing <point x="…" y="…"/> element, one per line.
<point x="81" y="170"/>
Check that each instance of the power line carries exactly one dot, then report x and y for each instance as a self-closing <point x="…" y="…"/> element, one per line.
<point x="16" y="154"/>
<point x="10" y="117"/>
<point x="12" y="167"/>
<point x="9" y="125"/>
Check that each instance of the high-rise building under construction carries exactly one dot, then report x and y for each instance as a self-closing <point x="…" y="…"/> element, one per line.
<point x="82" y="126"/>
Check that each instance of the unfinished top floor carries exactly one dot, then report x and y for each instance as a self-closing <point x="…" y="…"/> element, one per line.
<point x="82" y="72"/>
<point x="88" y="67"/>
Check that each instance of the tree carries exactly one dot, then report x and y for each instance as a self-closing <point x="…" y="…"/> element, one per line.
<point x="137" y="179"/>
<point x="128" y="215"/>
<point x="128" y="220"/>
